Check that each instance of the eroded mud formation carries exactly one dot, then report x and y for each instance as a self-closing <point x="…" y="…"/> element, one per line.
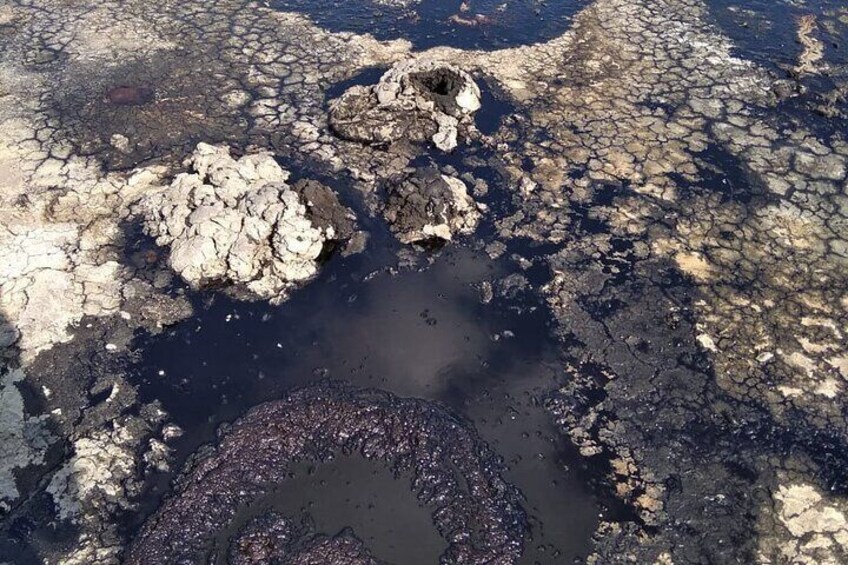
<point x="418" y="100"/>
<point x="324" y="210"/>
<point x="454" y="474"/>
<point x="237" y="222"/>
<point x="427" y="205"/>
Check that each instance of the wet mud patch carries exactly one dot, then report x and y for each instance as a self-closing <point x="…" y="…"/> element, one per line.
<point x="495" y="107"/>
<point x="477" y="24"/>
<point x="723" y="174"/>
<point x="820" y="105"/>
<point x="366" y="77"/>
<point x="145" y="109"/>
<point x="419" y="334"/>
<point x="80" y="387"/>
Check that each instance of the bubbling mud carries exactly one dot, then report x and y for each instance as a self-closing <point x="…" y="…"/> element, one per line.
<point x="454" y="474"/>
<point x="272" y="538"/>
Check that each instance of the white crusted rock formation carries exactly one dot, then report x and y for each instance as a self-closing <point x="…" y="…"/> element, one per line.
<point x="237" y="222"/>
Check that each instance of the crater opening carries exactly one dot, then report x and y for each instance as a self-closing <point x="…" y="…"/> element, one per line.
<point x="441" y="82"/>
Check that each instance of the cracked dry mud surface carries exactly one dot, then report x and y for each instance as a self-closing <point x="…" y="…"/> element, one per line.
<point x="666" y="179"/>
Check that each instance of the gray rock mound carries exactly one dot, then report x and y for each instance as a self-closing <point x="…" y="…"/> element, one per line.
<point x="237" y="222"/>
<point x="417" y="100"/>
<point x="428" y="205"/>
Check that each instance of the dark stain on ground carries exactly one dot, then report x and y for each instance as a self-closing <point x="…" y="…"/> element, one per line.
<point x="141" y="110"/>
<point x="725" y="174"/>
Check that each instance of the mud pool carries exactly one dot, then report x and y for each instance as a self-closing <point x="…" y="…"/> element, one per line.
<point x="420" y="333"/>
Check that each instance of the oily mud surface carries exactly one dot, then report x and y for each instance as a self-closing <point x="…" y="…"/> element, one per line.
<point x="453" y="474"/>
<point x="352" y="490"/>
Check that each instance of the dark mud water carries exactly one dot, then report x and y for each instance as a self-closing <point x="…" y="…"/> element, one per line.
<point x="421" y="334"/>
<point x="352" y="492"/>
<point x="766" y="32"/>
<point x="481" y="24"/>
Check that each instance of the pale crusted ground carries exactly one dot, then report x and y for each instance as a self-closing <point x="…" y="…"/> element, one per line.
<point x="637" y="99"/>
